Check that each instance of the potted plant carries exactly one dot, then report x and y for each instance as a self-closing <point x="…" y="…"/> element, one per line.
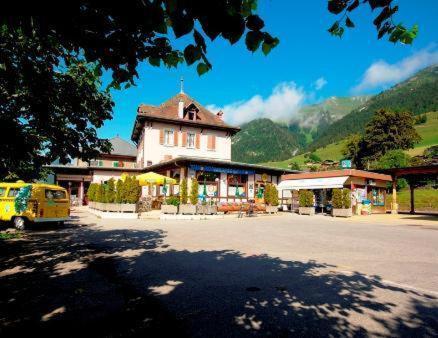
<point x="306" y="203"/>
<point x="170" y="206"/>
<point x="341" y="202"/>
<point x="185" y="208"/>
<point x="207" y="208"/>
<point x="271" y="199"/>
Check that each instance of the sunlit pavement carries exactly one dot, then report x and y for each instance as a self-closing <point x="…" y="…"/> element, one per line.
<point x="283" y="275"/>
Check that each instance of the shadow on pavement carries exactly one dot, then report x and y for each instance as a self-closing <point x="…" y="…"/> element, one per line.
<point x="86" y="281"/>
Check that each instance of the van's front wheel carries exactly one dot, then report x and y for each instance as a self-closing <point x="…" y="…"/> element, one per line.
<point x="19" y="223"/>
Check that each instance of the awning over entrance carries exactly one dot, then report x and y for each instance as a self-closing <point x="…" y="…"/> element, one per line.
<point x="313" y="183"/>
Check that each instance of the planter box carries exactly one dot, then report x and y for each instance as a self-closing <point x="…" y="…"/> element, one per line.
<point x="207" y="209"/>
<point x="128" y="207"/>
<point x="187" y="209"/>
<point x="169" y="209"/>
<point x="306" y="211"/>
<point x="113" y="207"/>
<point x="271" y="209"/>
<point x="342" y="212"/>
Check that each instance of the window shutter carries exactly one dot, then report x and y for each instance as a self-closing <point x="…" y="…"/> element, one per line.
<point x="175" y="138"/>
<point x="213" y="142"/>
<point x="161" y="136"/>
<point x="184" y="139"/>
<point x="198" y="141"/>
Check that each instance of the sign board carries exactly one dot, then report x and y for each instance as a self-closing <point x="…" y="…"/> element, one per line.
<point x="346" y="164"/>
<point x="221" y="170"/>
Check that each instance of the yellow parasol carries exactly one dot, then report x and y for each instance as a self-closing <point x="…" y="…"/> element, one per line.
<point x="154" y="178"/>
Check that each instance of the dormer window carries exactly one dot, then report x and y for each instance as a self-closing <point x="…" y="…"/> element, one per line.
<point x="191" y="112"/>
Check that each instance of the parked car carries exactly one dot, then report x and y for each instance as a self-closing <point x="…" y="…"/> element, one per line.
<point x="38" y="203"/>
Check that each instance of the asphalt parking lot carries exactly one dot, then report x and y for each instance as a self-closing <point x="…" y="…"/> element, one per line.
<point x="285" y="275"/>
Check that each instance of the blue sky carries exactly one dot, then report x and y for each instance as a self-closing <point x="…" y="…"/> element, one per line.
<point x="309" y="65"/>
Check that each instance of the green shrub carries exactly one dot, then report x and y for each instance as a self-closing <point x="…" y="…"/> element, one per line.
<point x="183" y="191"/>
<point x="346" y="199"/>
<point x="194" y="192"/>
<point x="306" y="198"/>
<point x="341" y="199"/>
<point x="173" y="200"/>
<point x="100" y="193"/>
<point x="132" y="190"/>
<point x="337" y="199"/>
<point x="91" y="193"/>
<point x="119" y="192"/>
<point x="271" y="194"/>
<point x="110" y="192"/>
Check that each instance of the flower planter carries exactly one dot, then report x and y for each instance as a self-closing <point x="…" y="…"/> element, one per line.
<point x="271" y="209"/>
<point x="169" y="209"/>
<point x="113" y="207"/>
<point x="128" y="207"/>
<point x="207" y="209"/>
<point x="342" y="212"/>
<point x="187" y="209"/>
<point x="306" y="211"/>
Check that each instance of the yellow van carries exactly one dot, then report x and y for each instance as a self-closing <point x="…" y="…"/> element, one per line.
<point x="22" y="203"/>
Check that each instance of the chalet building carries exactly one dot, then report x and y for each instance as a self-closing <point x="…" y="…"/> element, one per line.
<point x="181" y="139"/>
<point x="77" y="176"/>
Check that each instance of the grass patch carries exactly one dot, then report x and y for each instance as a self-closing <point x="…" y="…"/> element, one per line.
<point x="333" y="151"/>
<point x="426" y="199"/>
<point x="10" y="235"/>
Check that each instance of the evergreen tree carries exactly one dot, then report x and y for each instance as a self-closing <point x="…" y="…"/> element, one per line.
<point x="110" y="191"/>
<point x="100" y="194"/>
<point x="119" y="192"/>
<point x="183" y="191"/>
<point x="91" y="193"/>
<point x="194" y="192"/>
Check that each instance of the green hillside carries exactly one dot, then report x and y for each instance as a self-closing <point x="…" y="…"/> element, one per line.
<point x="262" y="140"/>
<point x="417" y="94"/>
<point x="337" y="106"/>
<point x="428" y="132"/>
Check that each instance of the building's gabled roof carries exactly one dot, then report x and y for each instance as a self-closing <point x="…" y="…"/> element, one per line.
<point x="185" y="160"/>
<point x="338" y="173"/>
<point x="122" y="147"/>
<point x="168" y="112"/>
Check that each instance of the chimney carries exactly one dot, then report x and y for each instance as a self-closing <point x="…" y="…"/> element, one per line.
<point x="180" y="109"/>
<point x="220" y="114"/>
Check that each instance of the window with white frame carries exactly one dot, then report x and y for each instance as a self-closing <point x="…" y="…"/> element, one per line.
<point x="191" y="140"/>
<point x="168" y="137"/>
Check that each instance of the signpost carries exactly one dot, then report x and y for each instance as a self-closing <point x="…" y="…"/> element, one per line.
<point x="346" y="164"/>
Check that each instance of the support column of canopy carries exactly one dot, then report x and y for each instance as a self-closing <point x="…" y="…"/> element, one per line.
<point x="394" y="206"/>
<point x="412" y="191"/>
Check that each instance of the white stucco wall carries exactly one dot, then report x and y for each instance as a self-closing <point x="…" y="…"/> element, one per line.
<point x="156" y="152"/>
<point x="104" y="175"/>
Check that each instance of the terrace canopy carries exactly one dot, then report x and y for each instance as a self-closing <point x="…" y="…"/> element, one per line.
<point x="313" y="183"/>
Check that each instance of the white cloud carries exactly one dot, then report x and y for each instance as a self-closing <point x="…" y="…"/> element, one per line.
<point x="284" y="101"/>
<point x="321" y="82"/>
<point x="381" y="73"/>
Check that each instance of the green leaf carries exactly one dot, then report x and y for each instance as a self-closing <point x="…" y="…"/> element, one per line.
<point x="154" y="61"/>
<point x="200" y="42"/>
<point x="202" y="68"/>
<point x="253" y="40"/>
<point x="254" y="23"/>
<point x="191" y="54"/>
<point x="349" y="23"/>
